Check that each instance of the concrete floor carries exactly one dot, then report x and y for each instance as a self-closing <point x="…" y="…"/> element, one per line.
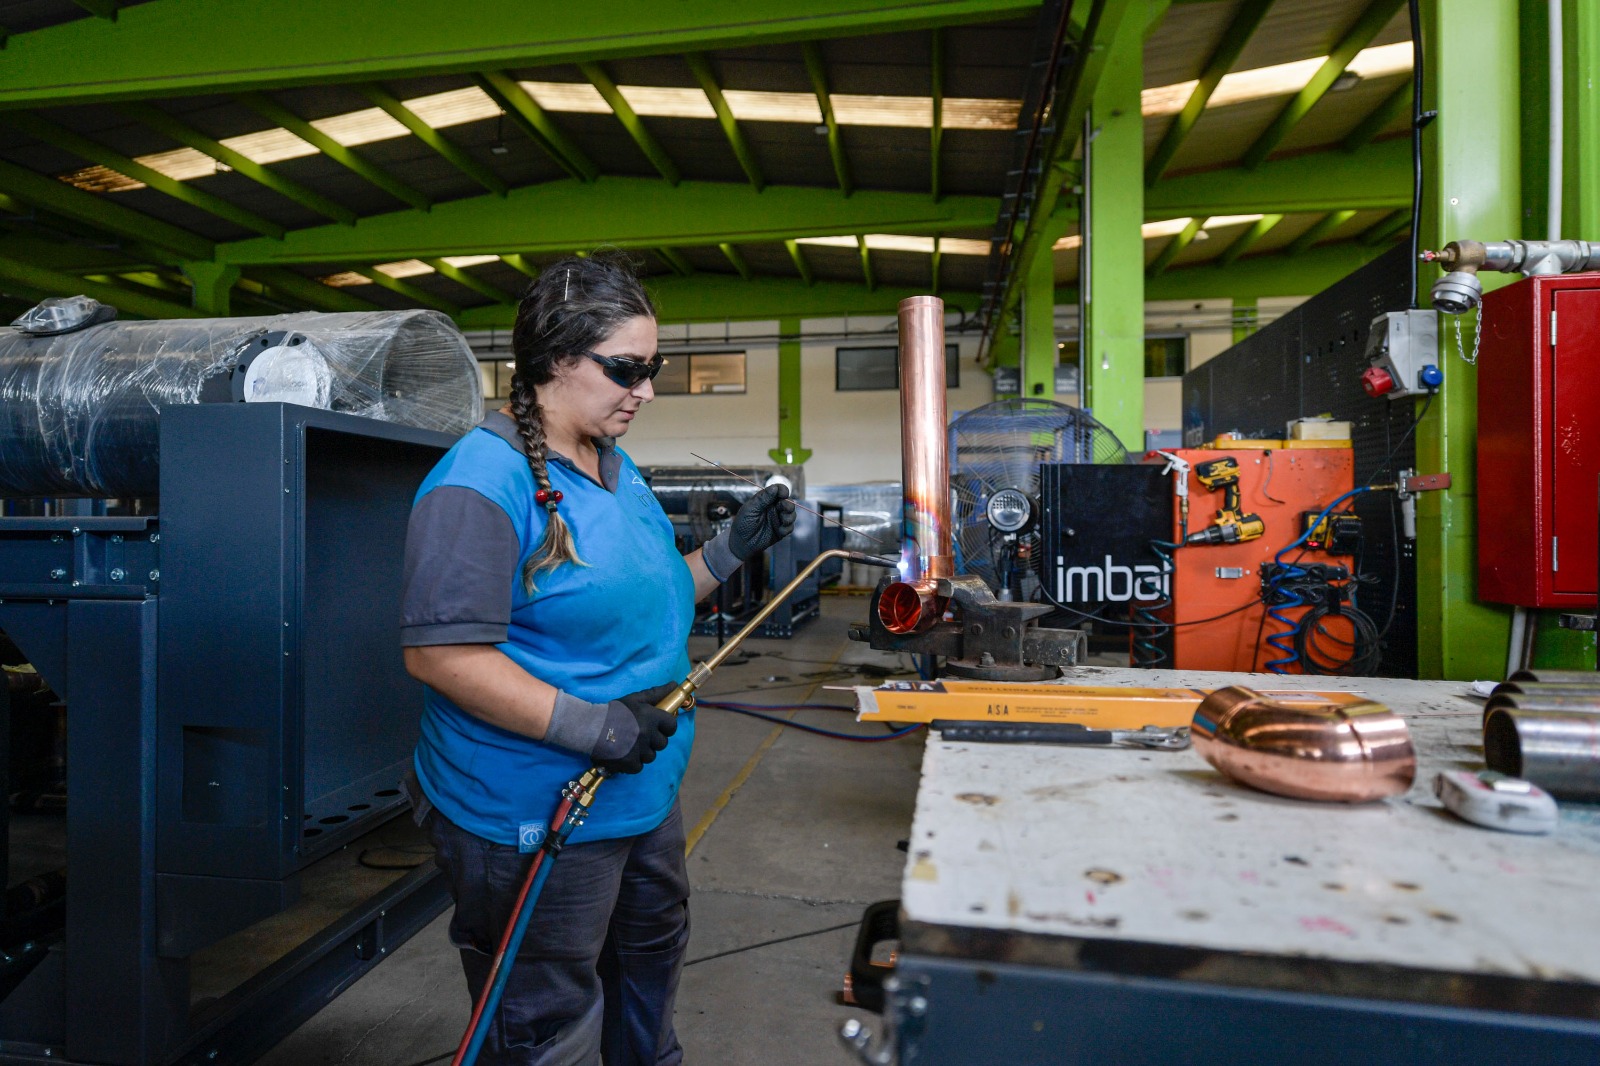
<point x="792" y="835"/>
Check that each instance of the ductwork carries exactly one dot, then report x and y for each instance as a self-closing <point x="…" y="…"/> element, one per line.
<point x="913" y="603"/>
<point x="1344" y="753"/>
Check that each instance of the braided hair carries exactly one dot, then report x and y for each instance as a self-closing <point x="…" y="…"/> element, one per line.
<point x="573" y="306"/>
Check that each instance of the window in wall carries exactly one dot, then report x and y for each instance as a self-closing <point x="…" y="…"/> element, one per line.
<point x="702" y="374"/>
<point x="866" y="369"/>
<point x="1166" y="355"/>
<point x="1067" y="364"/>
<point x="495" y="377"/>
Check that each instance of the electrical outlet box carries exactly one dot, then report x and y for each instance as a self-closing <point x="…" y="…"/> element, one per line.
<point x="1399" y="345"/>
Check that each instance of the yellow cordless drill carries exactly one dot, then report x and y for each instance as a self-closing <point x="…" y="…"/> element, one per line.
<point x="1229" y="527"/>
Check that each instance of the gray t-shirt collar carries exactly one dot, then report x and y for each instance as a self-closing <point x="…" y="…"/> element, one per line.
<point x="505" y="427"/>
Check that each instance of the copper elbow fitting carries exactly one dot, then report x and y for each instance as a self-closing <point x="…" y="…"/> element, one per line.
<point x="904" y="607"/>
<point x="1343" y="753"/>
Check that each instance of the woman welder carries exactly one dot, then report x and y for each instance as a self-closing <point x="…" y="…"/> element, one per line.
<point x="546" y="609"/>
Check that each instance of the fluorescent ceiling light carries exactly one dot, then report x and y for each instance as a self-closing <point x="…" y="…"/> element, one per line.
<point x="470" y="260"/>
<point x="1170" y="227"/>
<point x="895" y="242"/>
<point x="1283" y="79"/>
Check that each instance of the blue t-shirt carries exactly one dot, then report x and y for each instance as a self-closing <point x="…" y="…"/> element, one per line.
<point x="601" y="631"/>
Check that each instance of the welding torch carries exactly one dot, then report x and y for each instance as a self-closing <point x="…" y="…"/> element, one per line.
<point x="577" y="797"/>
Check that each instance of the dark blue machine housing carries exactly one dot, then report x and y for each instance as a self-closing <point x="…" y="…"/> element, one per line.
<point x="238" y="709"/>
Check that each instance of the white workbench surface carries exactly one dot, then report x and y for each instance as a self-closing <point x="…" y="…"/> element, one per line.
<point x="1159" y="848"/>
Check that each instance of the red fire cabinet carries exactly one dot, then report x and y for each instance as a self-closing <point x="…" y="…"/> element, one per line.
<point x="1539" y="442"/>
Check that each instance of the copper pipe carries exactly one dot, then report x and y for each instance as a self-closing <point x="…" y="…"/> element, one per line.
<point x="913" y="604"/>
<point x="1346" y="753"/>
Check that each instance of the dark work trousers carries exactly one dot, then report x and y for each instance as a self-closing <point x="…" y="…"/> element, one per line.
<point x="596" y="975"/>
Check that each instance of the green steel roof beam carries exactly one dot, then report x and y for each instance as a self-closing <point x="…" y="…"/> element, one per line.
<point x="1373" y="19"/>
<point x="184" y="49"/>
<point x="934" y="265"/>
<point x="818" y="70"/>
<point x="409" y="291"/>
<point x="104" y="9"/>
<point x="1392" y="224"/>
<point x="94" y="152"/>
<point x="108" y="216"/>
<point x="678" y="264"/>
<point x="800" y="263"/>
<point x="520" y="264"/>
<point x="700" y="66"/>
<point x="936" y="91"/>
<point x="1377" y="119"/>
<point x="710" y="297"/>
<point x="184" y="134"/>
<point x="1179" y="242"/>
<point x="306" y="291"/>
<point x="55" y="282"/>
<point x="1376" y="178"/>
<point x="1234" y="39"/>
<point x="476" y="284"/>
<point x="1247" y="240"/>
<point x="1320" y="230"/>
<point x="275" y="112"/>
<point x="866" y="263"/>
<point x="1067" y="110"/>
<point x="737" y="258"/>
<point x="632" y="122"/>
<point x="539" y="127"/>
<point x="556" y="217"/>
<point x="431" y="137"/>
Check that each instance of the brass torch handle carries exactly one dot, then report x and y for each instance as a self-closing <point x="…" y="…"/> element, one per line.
<point x="679" y="697"/>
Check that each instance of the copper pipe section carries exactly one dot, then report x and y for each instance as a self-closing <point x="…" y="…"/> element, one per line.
<point x="1344" y="753"/>
<point x="912" y="604"/>
<point x="1557" y="750"/>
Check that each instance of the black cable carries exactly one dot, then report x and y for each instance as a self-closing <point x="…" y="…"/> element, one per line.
<point x="1366" y="650"/>
<point x="769" y="943"/>
<point x="1383" y="468"/>
<point x="1419" y="119"/>
<point x="1095" y="616"/>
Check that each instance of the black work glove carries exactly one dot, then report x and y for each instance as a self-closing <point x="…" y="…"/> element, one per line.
<point x="620" y="736"/>
<point x="763" y="520"/>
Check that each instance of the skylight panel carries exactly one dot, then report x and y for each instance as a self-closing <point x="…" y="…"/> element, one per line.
<point x="910" y="111"/>
<point x="570" y="96"/>
<point x="968" y="113"/>
<point x="1149" y="231"/>
<point x="666" y="102"/>
<point x="898" y="242"/>
<point x="454" y="108"/>
<point x="100" y="179"/>
<point x="749" y="105"/>
<point x="345" y="279"/>
<point x="361" y="127"/>
<point x="470" y="260"/>
<point x="1282" y="79"/>
<point x="1218" y="221"/>
<point x="269" y="146"/>
<point x="405" y="268"/>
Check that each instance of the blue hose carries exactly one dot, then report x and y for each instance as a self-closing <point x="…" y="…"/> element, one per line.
<point x="1284" y="640"/>
<point x="491" y="1004"/>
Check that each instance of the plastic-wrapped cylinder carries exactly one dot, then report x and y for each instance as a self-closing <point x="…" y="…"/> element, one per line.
<point x="78" y="411"/>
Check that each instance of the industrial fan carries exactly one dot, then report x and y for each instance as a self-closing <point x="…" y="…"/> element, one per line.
<point x="995" y="451"/>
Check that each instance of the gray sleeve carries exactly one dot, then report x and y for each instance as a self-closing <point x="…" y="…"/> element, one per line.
<point x="461" y="557"/>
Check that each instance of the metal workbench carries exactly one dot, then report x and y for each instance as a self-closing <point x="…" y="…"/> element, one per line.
<point x="1065" y="904"/>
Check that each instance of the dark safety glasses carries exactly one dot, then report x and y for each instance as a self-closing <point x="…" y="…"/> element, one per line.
<point x="628" y="372"/>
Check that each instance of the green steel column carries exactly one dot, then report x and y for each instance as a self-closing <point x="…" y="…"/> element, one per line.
<point x="213" y="286"/>
<point x="1245" y="318"/>
<point x="1113" y="362"/>
<point x="1473" y="191"/>
<point x="1039" y="325"/>
<point x="1581" y="199"/>
<point x="789" y="450"/>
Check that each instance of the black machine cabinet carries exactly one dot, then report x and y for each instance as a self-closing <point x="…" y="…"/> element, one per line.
<point x="237" y="709"/>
